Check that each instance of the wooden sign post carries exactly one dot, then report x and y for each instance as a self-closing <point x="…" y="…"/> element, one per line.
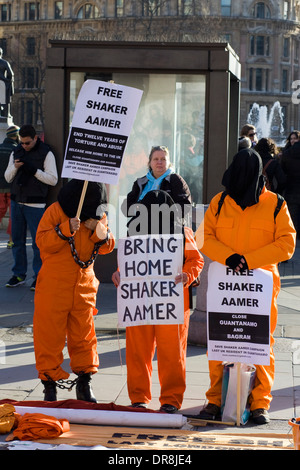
<point x="83" y="192"/>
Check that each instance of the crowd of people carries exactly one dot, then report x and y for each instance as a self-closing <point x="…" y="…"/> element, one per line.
<point x="65" y="244"/>
<point x="281" y="166"/>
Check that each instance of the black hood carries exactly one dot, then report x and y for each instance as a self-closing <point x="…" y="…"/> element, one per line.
<point x="243" y="179"/>
<point x="69" y="196"/>
<point x="157" y="213"/>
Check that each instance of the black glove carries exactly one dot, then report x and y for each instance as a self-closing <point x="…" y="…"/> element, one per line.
<point x="29" y="168"/>
<point x="237" y="262"/>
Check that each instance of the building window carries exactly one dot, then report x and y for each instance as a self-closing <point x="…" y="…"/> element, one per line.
<point x="267" y="79"/>
<point x="151" y="8"/>
<point x="30" y="46"/>
<point x="259" y="79"/>
<point x="286" y="10"/>
<point x="186" y="7"/>
<point x="285" y="77"/>
<point x="286" y="47"/>
<point x="58" y="10"/>
<point x="260" y="45"/>
<point x="226" y="7"/>
<point x="88" y="11"/>
<point x="261" y="10"/>
<point x="119" y="8"/>
<point x="5" y="12"/>
<point x="3" y="45"/>
<point x="29" y="111"/>
<point x="296" y="51"/>
<point x="30" y="77"/>
<point x="32" y="11"/>
<point x="251" y="79"/>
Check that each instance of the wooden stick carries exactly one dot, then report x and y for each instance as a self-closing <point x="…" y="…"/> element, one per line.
<point x="204" y="422"/>
<point x="84" y="188"/>
<point x="238" y="394"/>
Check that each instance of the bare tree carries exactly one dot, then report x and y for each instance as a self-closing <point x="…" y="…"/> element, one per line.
<point x="193" y="21"/>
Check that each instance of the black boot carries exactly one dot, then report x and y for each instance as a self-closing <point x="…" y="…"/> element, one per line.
<point x="84" y="389"/>
<point x="49" y="390"/>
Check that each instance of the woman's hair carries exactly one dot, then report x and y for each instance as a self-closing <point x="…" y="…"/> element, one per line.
<point x="265" y="145"/>
<point x="158" y="147"/>
<point x="246" y="129"/>
<point x="297" y="134"/>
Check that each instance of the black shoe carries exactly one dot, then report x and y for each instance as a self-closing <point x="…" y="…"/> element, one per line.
<point x="15" y="281"/>
<point x="168" y="408"/>
<point x="83" y="388"/>
<point x="260" y="416"/>
<point x="49" y="390"/>
<point x="32" y="287"/>
<point x="139" y="405"/>
<point x="210" y="412"/>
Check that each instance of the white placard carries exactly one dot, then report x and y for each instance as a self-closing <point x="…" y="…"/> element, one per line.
<point x="147" y="293"/>
<point x="102" y="122"/>
<point x="238" y="315"/>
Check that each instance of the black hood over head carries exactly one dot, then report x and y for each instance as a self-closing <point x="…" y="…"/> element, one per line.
<point x="167" y="218"/>
<point x="243" y="179"/>
<point x="69" y="197"/>
<point x="156" y="214"/>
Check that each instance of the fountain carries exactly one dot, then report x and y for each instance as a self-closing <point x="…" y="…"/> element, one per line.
<point x="270" y="124"/>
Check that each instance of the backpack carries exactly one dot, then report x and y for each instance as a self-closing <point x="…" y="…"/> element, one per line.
<point x="271" y="185"/>
<point x="280" y="201"/>
<point x="268" y="183"/>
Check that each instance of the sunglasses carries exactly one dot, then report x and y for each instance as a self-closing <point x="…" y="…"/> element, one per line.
<point x="252" y="135"/>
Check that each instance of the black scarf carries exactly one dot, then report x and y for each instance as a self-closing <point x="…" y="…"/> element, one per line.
<point x="243" y="179"/>
<point x="69" y="196"/>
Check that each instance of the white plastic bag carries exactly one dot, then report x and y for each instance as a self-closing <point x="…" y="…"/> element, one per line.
<point x="229" y="391"/>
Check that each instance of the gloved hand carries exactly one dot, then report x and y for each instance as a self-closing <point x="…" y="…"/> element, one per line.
<point x="237" y="262"/>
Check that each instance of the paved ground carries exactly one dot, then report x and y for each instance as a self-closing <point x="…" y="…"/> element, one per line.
<point x="18" y="376"/>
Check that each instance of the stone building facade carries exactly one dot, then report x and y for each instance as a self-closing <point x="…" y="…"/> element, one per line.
<point x="264" y="34"/>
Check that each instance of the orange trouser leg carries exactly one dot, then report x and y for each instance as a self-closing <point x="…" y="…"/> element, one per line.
<point x="82" y="341"/>
<point x="49" y="329"/>
<point x="171" y="360"/>
<point x="171" y="344"/>
<point x="140" y="349"/>
<point x="55" y="319"/>
<point x="261" y="394"/>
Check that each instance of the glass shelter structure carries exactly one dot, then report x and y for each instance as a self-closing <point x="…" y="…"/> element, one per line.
<point x="190" y="104"/>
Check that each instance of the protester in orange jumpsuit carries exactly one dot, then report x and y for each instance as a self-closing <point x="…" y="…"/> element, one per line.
<point x="169" y="340"/>
<point x="245" y="235"/>
<point x="66" y="289"/>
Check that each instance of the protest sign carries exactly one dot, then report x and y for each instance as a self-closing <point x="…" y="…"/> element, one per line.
<point x="238" y="315"/>
<point x="102" y="121"/>
<point x="147" y="293"/>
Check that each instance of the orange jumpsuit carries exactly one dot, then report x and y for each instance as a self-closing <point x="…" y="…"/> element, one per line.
<point x="170" y="341"/>
<point x="252" y="233"/>
<point x="65" y="298"/>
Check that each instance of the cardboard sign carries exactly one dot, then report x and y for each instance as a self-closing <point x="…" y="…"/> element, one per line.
<point x="238" y="315"/>
<point x="102" y="122"/>
<point x="182" y="443"/>
<point x="147" y="293"/>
